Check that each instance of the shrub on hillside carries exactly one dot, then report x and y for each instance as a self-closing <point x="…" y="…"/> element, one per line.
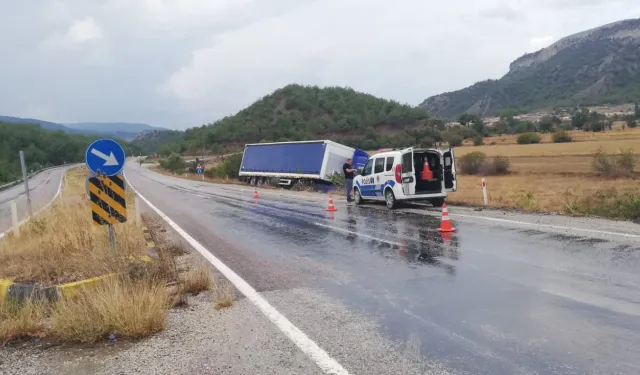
<point x="478" y="141"/>
<point x="613" y="166"/>
<point x="473" y="162"/>
<point x="528" y="138"/>
<point x="499" y="165"/>
<point x="173" y="163"/>
<point x="454" y="140"/>
<point x="561" y="136"/>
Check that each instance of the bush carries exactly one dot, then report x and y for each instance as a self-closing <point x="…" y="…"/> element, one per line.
<point x="478" y="141"/>
<point x="229" y="167"/>
<point x="613" y="166"/>
<point x="173" y="163"/>
<point x="454" y="140"/>
<point x="561" y="136"/>
<point x="608" y="203"/>
<point x="473" y="162"/>
<point x="500" y="165"/>
<point x="528" y="138"/>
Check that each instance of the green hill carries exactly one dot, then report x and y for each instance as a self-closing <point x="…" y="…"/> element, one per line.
<point x="297" y="112"/>
<point x="598" y="66"/>
<point x="42" y="148"/>
<point x="150" y="141"/>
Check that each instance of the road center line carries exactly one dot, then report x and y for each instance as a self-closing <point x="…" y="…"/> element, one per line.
<point x="326" y="363"/>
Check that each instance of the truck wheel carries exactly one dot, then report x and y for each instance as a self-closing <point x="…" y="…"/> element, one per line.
<point x="357" y="197"/>
<point x="253" y="181"/>
<point x="437" y="202"/>
<point x="390" y="199"/>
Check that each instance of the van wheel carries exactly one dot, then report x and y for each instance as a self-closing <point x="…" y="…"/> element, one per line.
<point x="437" y="202"/>
<point x="357" y="197"/>
<point x="390" y="199"/>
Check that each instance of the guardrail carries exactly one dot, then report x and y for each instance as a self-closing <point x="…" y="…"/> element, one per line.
<point x="15" y="183"/>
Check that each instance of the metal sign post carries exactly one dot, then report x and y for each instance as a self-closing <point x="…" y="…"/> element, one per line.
<point x="106" y="188"/>
<point x="25" y="177"/>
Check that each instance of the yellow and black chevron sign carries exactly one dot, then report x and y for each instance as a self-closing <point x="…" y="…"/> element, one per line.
<point x="107" y="195"/>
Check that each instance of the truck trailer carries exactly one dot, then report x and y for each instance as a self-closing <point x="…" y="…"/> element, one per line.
<point x="286" y="163"/>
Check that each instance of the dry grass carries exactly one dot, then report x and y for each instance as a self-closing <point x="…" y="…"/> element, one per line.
<point x="120" y="306"/>
<point x="197" y="280"/>
<point x="21" y="320"/>
<point x="550" y="192"/>
<point x="223" y="295"/>
<point x="63" y="245"/>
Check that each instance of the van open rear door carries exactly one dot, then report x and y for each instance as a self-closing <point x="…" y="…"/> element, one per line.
<point x="408" y="172"/>
<point x="449" y="170"/>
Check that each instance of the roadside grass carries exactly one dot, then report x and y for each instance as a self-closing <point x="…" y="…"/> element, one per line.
<point x="62" y="245"/>
<point x="21" y="320"/>
<point x="197" y="280"/>
<point x="123" y="307"/>
<point x="223" y="295"/>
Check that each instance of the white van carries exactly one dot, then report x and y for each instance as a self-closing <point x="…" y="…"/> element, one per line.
<point x="397" y="175"/>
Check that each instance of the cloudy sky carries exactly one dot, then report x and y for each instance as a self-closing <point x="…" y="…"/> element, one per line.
<point x="183" y="63"/>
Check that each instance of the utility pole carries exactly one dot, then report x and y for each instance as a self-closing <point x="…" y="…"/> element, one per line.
<point x="25" y="177"/>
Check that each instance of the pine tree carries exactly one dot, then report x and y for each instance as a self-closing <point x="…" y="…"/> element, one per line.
<point x="637" y="111"/>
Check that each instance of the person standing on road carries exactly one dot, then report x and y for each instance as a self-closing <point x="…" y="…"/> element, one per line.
<point x="348" y="178"/>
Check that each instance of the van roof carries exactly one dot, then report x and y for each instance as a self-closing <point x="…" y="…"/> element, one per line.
<point x="396" y="150"/>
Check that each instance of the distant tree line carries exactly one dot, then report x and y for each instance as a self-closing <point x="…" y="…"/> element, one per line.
<point x="42" y="148"/>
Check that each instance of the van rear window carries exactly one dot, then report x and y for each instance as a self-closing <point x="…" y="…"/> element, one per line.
<point x="407" y="162"/>
<point x="390" y="160"/>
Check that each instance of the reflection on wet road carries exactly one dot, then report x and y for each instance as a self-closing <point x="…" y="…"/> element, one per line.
<point x="487" y="300"/>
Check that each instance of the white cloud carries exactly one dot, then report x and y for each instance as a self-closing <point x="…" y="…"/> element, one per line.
<point x="84" y="30"/>
<point x="541" y="41"/>
<point x="187" y="62"/>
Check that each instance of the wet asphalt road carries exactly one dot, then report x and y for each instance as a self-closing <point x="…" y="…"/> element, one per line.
<point x="489" y="300"/>
<point x="42" y="188"/>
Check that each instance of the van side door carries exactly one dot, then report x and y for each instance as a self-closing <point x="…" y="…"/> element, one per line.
<point x="368" y="182"/>
<point x="408" y="172"/>
<point x="449" y="164"/>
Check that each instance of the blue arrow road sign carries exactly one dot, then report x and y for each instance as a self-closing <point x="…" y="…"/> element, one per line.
<point x="106" y="157"/>
<point x="199" y="170"/>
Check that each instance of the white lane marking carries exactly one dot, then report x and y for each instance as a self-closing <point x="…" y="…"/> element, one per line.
<point x="302" y="341"/>
<point x="40" y="210"/>
<point x="357" y="234"/>
<point x="548" y="225"/>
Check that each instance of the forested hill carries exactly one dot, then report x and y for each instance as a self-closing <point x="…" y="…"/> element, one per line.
<point x="598" y="66"/>
<point x="42" y="148"/>
<point x="298" y="112"/>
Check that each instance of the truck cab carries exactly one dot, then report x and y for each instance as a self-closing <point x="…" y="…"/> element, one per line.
<point x="410" y="174"/>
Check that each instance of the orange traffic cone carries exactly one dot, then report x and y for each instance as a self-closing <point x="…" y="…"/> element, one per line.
<point x="445" y="224"/>
<point x="255" y="194"/>
<point x="426" y="171"/>
<point x="331" y="207"/>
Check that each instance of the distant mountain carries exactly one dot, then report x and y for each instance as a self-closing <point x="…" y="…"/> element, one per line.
<point x="122" y="130"/>
<point x="597" y="66"/>
<point x="112" y="127"/>
<point x="43" y="124"/>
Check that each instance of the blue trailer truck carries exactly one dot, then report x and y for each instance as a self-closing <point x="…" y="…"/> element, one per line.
<point x="286" y="163"/>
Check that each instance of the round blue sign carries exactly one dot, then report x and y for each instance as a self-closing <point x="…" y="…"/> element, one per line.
<point x="106" y="157"/>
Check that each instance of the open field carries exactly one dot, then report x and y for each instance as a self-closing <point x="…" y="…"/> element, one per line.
<point x="551" y="177"/>
<point x="585" y="143"/>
